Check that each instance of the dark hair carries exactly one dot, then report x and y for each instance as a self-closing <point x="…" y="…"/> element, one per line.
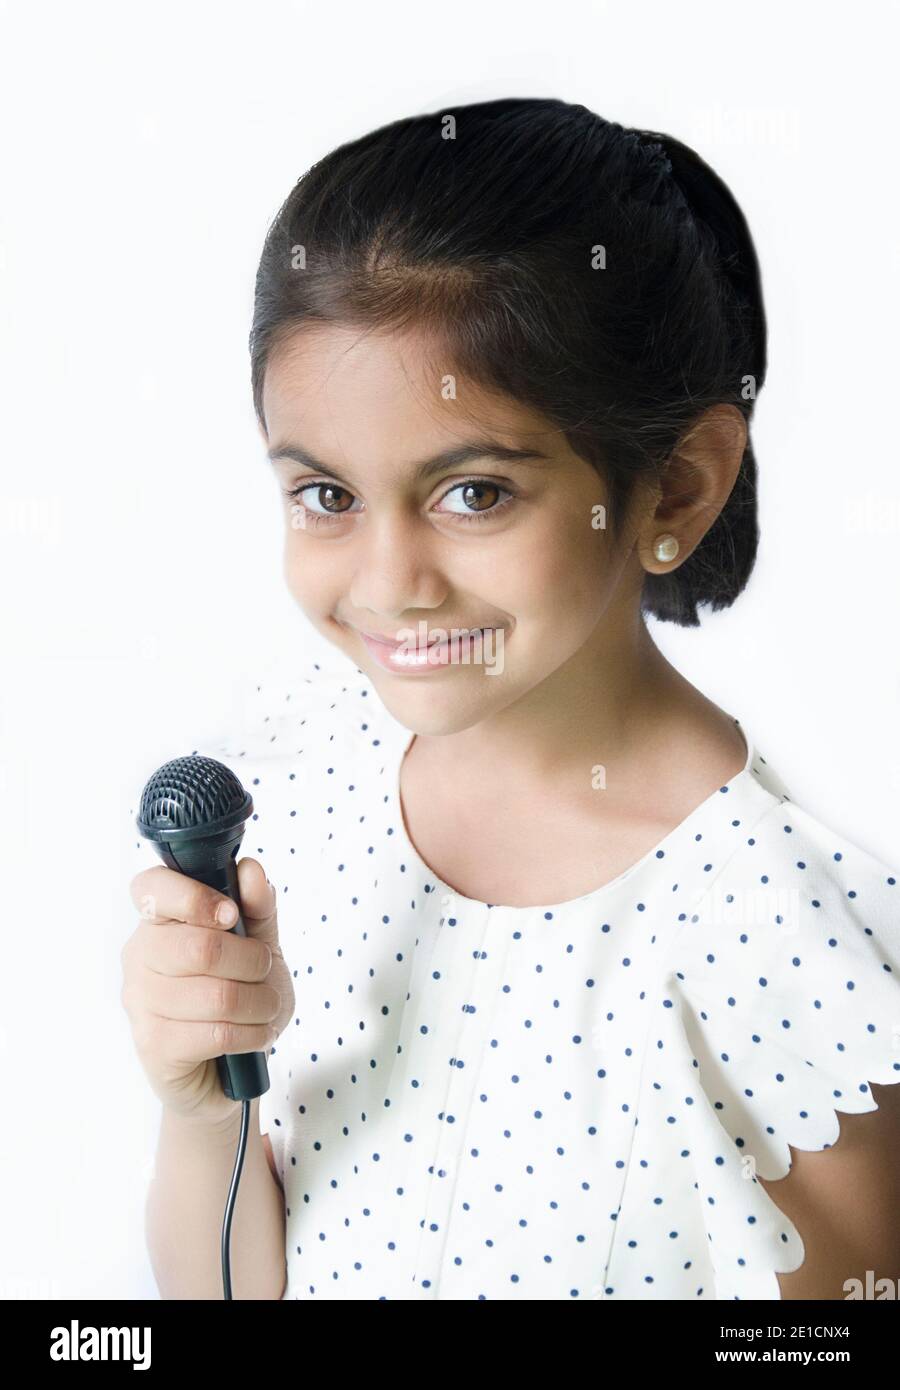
<point x="489" y="241"/>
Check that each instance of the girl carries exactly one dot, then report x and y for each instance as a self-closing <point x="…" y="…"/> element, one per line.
<point x="572" y="1000"/>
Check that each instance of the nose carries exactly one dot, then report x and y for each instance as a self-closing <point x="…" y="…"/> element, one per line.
<point x="397" y="566"/>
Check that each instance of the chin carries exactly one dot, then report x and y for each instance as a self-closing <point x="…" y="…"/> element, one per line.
<point x="447" y="706"/>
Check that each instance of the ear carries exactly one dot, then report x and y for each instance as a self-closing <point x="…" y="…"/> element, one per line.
<point x="721" y="429"/>
<point x="696" y="481"/>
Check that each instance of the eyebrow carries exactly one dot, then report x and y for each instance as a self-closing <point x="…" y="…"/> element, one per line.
<point x="450" y="458"/>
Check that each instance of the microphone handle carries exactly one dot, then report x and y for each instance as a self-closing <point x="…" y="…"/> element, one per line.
<point x="244" y="1075"/>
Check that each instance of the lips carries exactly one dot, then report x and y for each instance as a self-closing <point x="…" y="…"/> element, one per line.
<point x="409" y="659"/>
<point x="394" y="642"/>
<point x="385" y="641"/>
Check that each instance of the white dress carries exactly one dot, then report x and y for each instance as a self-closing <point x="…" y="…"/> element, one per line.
<point x="570" y="1101"/>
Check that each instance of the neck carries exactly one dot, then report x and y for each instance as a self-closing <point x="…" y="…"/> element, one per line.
<point x="616" y="704"/>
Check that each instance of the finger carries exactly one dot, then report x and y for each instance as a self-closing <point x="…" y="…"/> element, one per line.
<point x="183" y="949"/>
<point x="202" y="998"/>
<point x="190" y="1042"/>
<point x="257" y="894"/>
<point x="164" y="895"/>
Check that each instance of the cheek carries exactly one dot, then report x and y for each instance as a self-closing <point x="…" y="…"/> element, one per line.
<point x="557" y="571"/>
<point x="561" y="571"/>
<point x="312" y="585"/>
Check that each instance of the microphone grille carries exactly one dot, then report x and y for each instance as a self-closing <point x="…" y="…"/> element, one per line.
<point x="191" y="792"/>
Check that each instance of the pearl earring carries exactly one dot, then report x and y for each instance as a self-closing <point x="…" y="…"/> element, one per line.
<point x="665" y="547"/>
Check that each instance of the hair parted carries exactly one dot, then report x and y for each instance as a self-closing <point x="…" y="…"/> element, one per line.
<point x="489" y="242"/>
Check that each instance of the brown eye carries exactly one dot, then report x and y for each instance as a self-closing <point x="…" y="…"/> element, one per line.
<point x="331" y="492"/>
<point x="477" y="499"/>
<point x="333" y="499"/>
<point x="474" y="494"/>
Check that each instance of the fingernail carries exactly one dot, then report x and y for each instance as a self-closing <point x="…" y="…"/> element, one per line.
<point x="226" y="913"/>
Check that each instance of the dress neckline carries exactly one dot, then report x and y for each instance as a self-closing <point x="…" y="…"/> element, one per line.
<point x="693" y="820"/>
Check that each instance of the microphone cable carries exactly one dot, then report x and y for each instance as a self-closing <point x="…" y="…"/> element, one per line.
<point x="232" y="1194"/>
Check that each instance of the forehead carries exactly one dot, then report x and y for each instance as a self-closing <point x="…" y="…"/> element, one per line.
<point x="356" y="390"/>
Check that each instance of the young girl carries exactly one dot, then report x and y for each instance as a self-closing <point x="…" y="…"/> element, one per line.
<point x="572" y="1000"/>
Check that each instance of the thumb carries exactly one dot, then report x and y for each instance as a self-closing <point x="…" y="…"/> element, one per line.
<point x="259" y="903"/>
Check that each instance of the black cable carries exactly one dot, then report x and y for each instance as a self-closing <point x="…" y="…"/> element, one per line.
<point x="232" y="1194"/>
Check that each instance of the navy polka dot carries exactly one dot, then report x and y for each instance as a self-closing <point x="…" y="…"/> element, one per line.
<point x="571" y="1100"/>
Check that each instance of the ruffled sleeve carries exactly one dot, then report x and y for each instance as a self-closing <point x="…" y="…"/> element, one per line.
<point x="778" y="1006"/>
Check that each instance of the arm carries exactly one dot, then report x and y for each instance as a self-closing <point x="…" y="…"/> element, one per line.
<point x="186" y="1207"/>
<point x="267" y="1145"/>
<point x="845" y="1203"/>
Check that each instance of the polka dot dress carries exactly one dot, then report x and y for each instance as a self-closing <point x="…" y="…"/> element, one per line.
<point x="476" y="1101"/>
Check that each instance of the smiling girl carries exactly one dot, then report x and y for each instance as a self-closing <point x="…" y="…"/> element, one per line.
<point x="573" y="1001"/>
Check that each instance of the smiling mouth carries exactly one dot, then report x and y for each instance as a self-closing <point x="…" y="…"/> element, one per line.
<point x="457" y="647"/>
<point x="409" y="645"/>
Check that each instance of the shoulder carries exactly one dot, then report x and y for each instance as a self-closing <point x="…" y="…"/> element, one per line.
<point x="796" y="945"/>
<point x="290" y="712"/>
<point x="304" y="729"/>
<point x="806" y="898"/>
<point x="844" y="1196"/>
<point x="784" y="994"/>
<point x="319" y="713"/>
<point x="296" y="726"/>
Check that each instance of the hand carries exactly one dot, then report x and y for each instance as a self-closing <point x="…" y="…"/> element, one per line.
<point x="194" y="991"/>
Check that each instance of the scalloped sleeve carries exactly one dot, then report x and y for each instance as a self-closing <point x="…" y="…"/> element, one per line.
<point x="779" y="1004"/>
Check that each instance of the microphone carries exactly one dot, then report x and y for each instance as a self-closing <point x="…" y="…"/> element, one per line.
<point x="193" y="810"/>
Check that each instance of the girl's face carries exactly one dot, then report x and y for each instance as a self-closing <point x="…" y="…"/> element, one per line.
<point x="377" y="544"/>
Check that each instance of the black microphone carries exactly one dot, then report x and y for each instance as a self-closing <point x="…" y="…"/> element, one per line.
<point x="193" y="810"/>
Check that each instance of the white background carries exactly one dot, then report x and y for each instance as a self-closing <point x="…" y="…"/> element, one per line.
<point x="145" y="149"/>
